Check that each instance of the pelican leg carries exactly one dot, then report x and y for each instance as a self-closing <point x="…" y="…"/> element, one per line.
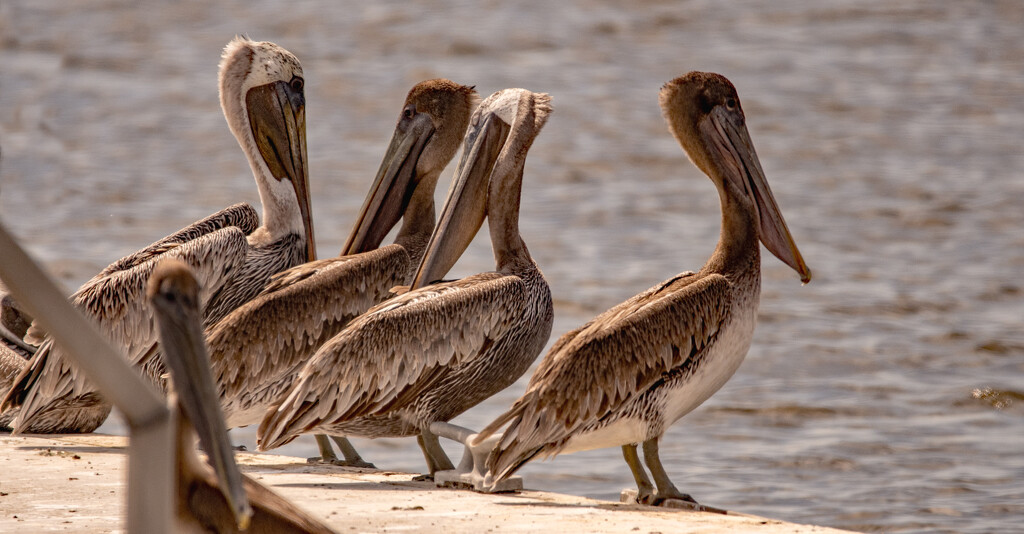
<point x="645" y="490"/>
<point x="437" y="460"/>
<point x="327" y="456"/>
<point x="352" y="457"/>
<point x="666" y="489"/>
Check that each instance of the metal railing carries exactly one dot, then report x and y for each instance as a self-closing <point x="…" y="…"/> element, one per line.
<point x="151" y="449"/>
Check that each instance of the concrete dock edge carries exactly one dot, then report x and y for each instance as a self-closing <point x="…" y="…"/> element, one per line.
<point x="77" y="483"/>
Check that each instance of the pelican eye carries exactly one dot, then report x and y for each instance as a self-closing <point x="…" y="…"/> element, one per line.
<point x="409" y="112"/>
<point x="730" y="103"/>
<point x="296" y="84"/>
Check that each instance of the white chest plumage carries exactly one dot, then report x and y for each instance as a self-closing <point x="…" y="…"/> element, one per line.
<point x="721" y="361"/>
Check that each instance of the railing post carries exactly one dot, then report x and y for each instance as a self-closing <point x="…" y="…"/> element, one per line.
<point x="151" y="447"/>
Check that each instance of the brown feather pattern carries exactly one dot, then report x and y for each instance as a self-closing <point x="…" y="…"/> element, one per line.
<point x="12" y="361"/>
<point x="241" y="216"/>
<point x="254" y="364"/>
<point x="56" y="398"/>
<point x="384" y="361"/>
<point x="123" y="315"/>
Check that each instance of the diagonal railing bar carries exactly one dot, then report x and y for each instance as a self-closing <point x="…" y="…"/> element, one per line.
<point x="151" y="450"/>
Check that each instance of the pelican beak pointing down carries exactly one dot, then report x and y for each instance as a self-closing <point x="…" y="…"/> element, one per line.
<point x="392" y="187"/>
<point x="732" y="143"/>
<point x="277" y="114"/>
<point x="466" y="206"/>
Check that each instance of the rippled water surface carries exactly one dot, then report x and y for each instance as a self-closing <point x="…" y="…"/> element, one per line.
<point x="888" y="394"/>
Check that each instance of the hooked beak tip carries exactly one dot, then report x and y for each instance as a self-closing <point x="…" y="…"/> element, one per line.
<point x="244" y="518"/>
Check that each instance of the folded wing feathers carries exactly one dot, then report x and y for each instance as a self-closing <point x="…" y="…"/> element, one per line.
<point x="118" y="305"/>
<point x="609" y="361"/>
<point x="240" y="215"/>
<point x="265" y="341"/>
<point x="393" y="347"/>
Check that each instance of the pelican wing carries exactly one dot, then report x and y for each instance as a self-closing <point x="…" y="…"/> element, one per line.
<point x="626" y="307"/>
<point x="118" y="305"/>
<point x="257" y="349"/>
<point x="240" y="215"/>
<point x="11" y="364"/>
<point x="609" y="362"/>
<point x="395" y="350"/>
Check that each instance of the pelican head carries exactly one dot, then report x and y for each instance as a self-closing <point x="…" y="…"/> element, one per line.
<point x="488" y="179"/>
<point x="426" y="138"/>
<point x="174" y="294"/>
<point x="262" y="95"/>
<point x="704" y="113"/>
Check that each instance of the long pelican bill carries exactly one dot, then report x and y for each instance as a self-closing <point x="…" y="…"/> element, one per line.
<point x="277" y="115"/>
<point x="466" y="205"/>
<point x="187" y="359"/>
<point x="736" y="151"/>
<point x="392" y="187"/>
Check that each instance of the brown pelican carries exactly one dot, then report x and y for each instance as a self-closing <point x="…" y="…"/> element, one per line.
<point x="12" y="362"/>
<point x="14" y="353"/>
<point x="221" y="499"/>
<point x="435" y="351"/>
<point x="257" y="350"/>
<point x="627" y="375"/>
<point x="14" y="322"/>
<point x="261" y="92"/>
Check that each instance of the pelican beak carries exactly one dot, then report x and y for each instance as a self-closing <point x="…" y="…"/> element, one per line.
<point x="183" y="343"/>
<point x="733" y="143"/>
<point x="466" y="206"/>
<point x="392" y="187"/>
<point x="277" y="114"/>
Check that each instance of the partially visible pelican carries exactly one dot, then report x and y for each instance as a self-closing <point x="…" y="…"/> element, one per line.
<point x="14" y="322"/>
<point x="12" y="362"/>
<point x="627" y="375"/>
<point x="258" y="349"/>
<point x="433" y="352"/>
<point x="221" y="499"/>
<point x="14" y="353"/>
<point x="261" y="93"/>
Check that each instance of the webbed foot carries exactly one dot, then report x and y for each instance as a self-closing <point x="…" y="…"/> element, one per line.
<point x="340" y="463"/>
<point x="654" y="498"/>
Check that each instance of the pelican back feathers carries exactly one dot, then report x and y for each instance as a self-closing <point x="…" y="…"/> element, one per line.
<point x="255" y="359"/>
<point x="385" y="358"/>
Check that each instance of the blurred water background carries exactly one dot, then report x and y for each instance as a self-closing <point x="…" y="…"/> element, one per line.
<point x="887" y="395"/>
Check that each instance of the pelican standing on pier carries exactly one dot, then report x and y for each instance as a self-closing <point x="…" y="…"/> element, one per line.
<point x="262" y="95"/>
<point x="220" y="499"/>
<point x="434" y="352"/>
<point x="627" y="375"/>
<point x="258" y="349"/>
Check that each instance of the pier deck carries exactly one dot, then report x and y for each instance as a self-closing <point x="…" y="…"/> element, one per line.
<point x="76" y="483"/>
